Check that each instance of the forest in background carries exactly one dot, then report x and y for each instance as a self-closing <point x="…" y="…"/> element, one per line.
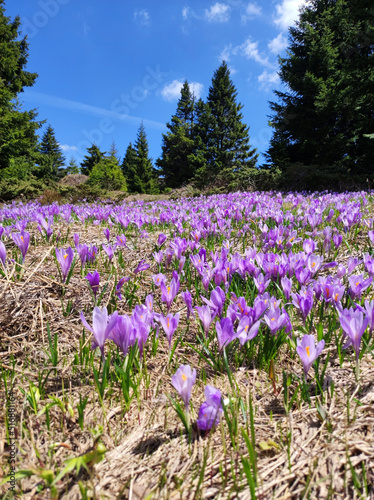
<point x="322" y="124"/>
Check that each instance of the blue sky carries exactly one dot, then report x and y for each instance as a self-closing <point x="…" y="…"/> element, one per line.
<point x="106" y="65"/>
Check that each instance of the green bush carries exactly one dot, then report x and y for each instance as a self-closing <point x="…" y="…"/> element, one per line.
<point x="11" y="188"/>
<point x="108" y="175"/>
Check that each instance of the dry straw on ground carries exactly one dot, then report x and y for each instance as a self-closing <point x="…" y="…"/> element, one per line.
<point x="305" y="454"/>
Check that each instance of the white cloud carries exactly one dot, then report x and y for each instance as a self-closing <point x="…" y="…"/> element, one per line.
<point x="172" y="91"/>
<point x="66" y="147"/>
<point x="268" y="80"/>
<point x="142" y="17"/>
<point x="219" y="13"/>
<point x="250" y="50"/>
<point x="225" y="54"/>
<point x="287" y="12"/>
<point x="197" y="89"/>
<point x="252" y="10"/>
<point x="278" y="44"/>
<point x="185" y="12"/>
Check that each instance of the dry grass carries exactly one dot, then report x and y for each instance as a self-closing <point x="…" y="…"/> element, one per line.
<point x="300" y="454"/>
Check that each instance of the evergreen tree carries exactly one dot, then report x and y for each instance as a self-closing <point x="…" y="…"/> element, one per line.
<point x="107" y="174"/>
<point x="18" y="128"/>
<point x="51" y="160"/>
<point x="229" y="158"/>
<point x="142" y="177"/>
<point x="323" y="122"/>
<point x="73" y="167"/>
<point x="177" y="161"/>
<point x="129" y="168"/>
<point x="93" y="157"/>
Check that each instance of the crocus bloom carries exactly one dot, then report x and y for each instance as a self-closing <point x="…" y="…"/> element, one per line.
<point x="309" y="351"/>
<point x="123" y="333"/>
<point x="211" y="411"/>
<point x="120" y="285"/>
<point x="246" y="330"/>
<point x="161" y="240"/>
<point x="142" y="266"/>
<point x="22" y="240"/>
<point x="121" y="240"/>
<point x="225" y="332"/>
<point x="94" y="281"/>
<point x="183" y="380"/>
<point x="354" y="324"/>
<point x="206" y="317"/>
<point x="275" y="319"/>
<point x="187" y="298"/>
<point x="168" y="293"/>
<point x="65" y="259"/>
<point x="101" y="327"/>
<point x="357" y="284"/>
<point x="158" y="279"/>
<point x="169" y="325"/>
<point x="109" y="250"/>
<point x="106" y="232"/>
<point x="2" y="253"/>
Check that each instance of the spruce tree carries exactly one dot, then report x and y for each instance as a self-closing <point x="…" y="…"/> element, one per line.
<point x="93" y="157"/>
<point x="129" y="168"/>
<point x="178" y="145"/>
<point x="323" y="121"/>
<point x="51" y="160"/>
<point x="18" y="127"/>
<point x="142" y="180"/>
<point x="229" y="157"/>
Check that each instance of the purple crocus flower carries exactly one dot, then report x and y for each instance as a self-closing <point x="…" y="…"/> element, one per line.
<point x="101" y="327"/>
<point x="109" y="250"/>
<point x="286" y="286"/>
<point x="76" y="240"/>
<point x="158" y="256"/>
<point x="169" y="325"/>
<point x="94" y="281"/>
<point x="22" y="240"/>
<point x="225" y="332"/>
<point x="275" y="319"/>
<point x="158" y="279"/>
<point x="187" y="298"/>
<point x="247" y="330"/>
<point x="168" y="293"/>
<point x="142" y="266"/>
<point x="2" y="253"/>
<point x="65" y="259"/>
<point x="183" y="380"/>
<point x="217" y="299"/>
<point x="309" y="351"/>
<point x="211" y="411"/>
<point x="206" y="317"/>
<point x="354" y="324"/>
<point x="123" y="333"/>
<point x="261" y="283"/>
<point x="121" y="240"/>
<point x="106" y="232"/>
<point x="161" y="240"/>
<point x="119" y="285"/>
<point x="357" y="284"/>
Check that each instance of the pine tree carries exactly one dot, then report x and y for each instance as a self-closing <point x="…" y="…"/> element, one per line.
<point x="18" y="128"/>
<point x="323" y="121"/>
<point x="51" y="160"/>
<point x="129" y="168"/>
<point x="177" y="161"/>
<point x="73" y="167"/>
<point x="142" y="178"/>
<point x="229" y="158"/>
<point x="93" y="157"/>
